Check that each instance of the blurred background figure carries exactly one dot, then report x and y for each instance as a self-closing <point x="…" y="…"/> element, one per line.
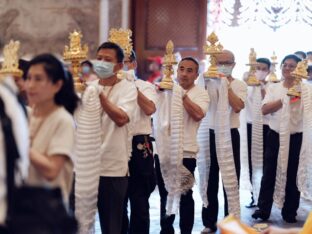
<point x="301" y="54"/>
<point x="87" y="72"/>
<point x="155" y="64"/>
<point x="309" y="57"/>
<point x="20" y="81"/>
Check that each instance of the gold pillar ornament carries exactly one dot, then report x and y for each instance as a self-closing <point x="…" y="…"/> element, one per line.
<point x="122" y="37"/>
<point x="299" y="73"/>
<point x="252" y="79"/>
<point x="75" y="53"/>
<point x="272" y="76"/>
<point x="10" y="62"/>
<point x="169" y="61"/>
<point x="213" y="49"/>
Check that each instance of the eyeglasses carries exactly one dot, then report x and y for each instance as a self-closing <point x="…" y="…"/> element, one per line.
<point x="225" y="63"/>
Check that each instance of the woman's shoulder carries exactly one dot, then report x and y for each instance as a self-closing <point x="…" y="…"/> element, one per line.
<point x="61" y="115"/>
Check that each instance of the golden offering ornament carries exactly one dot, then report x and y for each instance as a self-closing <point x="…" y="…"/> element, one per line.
<point x="272" y="76"/>
<point x="169" y="61"/>
<point x="75" y="53"/>
<point x="122" y="37"/>
<point x="299" y="73"/>
<point x="252" y="79"/>
<point x="10" y="62"/>
<point x="213" y="49"/>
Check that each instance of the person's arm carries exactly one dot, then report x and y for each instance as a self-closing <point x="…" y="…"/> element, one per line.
<point x="271" y="107"/>
<point x="114" y="112"/>
<point x="193" y="109"/>
<point x="145" y="104"/>
<point x="276" y="230"/>
<point x="235" y="102"/>
<point x="49" y="167"/>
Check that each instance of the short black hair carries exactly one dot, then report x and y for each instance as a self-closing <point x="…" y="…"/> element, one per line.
<point x="110" y="45"/>
<point x="132" y="56"/>
<point x="24" y="66"/>
<point x="309" y="69"/>
<point x="292" y="56"/>
<point x="191" y="59"/>
<point x="309" y="52"/>
<point x="304" y="55"/>
<point x="265" y="61"/>
<point x="87" y="62"/>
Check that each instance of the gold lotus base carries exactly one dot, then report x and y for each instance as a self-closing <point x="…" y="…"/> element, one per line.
<point x="252" y="81"/>
<point x="273" y="78"/>
<point x="166" y="83"/>
<point x="79" y="87"/>
<point x="293" y="93"/>
<point x="212" y="73"/>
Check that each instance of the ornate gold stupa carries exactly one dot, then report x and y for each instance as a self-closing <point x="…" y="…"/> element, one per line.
<point x="10" y="62"/>
<point x="122" y="37"/>
<point x="75" y="53"/>
<point x="169" y="61"/>
<point x="299" y="73"/>
<point x="272" y="76"/>
<point x="252" y="79"/>
<point x="213" y="49"/>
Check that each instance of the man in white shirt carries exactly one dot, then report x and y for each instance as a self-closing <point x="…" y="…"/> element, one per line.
<point x="274" y="104"/>
<point x="262" y="71"/>
<point x="118" y="100"/>
<point x="195" y="102"/>
<point x="141" y="165"/>
<point x="237" y="92"/>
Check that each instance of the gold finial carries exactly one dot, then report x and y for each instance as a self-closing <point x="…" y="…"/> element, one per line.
<point x="169" y="60"/>
<point x="252" y="79"/>
<point x="10" y="62"/>
<point x="299" y="73"/>
<point x="272" y="76"/>
<point x="213" y="49"/>
<point x="75" y="53"/>
<point x="122" y="37"/>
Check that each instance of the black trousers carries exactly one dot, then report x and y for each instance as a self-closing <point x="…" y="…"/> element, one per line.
<point x="210" y="214"/>
<point x="266" y="129"/>
<point x="186" y="202"/>
<point x="111" y="197"/>
<point x="142" y="183"/>
<point x="3" y="230"/>
<point x="292" y="197"/>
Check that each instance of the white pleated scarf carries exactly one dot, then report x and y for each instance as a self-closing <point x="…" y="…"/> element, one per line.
<point x="225" y="151"/>
<point x="257" y="142"/>
<point x="304" y="175"/>
<point x="88" y="158"/>
<point x="203" y="155"/>
<point x="169" y="141"/>
<point x="282" y="161"/>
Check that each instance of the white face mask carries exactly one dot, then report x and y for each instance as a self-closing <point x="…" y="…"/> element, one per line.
<point x="226" y="70"/>
<point x="103" y="69"/>
<point x="130" y="75"/>
<point x="260" y="75"/>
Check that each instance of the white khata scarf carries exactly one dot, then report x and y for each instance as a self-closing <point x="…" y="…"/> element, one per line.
<point x="169" y="141"/>
<point x="88" y="158"/>
<point x="257" y="141"/>
<point x="203" y="156"/>
<point x="304" y="175"/>
<point x="225" y="151"/>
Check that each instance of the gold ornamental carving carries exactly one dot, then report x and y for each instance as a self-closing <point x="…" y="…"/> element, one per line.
<point x="169" y="61"/>
<point x="252" y="79"/>
<point x="10" y="62"/>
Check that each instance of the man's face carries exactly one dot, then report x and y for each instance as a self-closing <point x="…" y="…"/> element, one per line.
<point x="263" y="67"/>
<point x="129" y="65"/>
<point x="109" y="55"/>
<point x="225" y="63"/>
<point x="187" y="73"/>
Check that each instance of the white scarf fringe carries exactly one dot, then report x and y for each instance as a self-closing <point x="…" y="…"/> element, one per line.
<point x="88" y="158"/>
<point x="257" y="142"/>
<point x="283" y="154"/>
<point x="225" y="151"/>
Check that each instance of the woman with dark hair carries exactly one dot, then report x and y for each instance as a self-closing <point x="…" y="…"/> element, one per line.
<point x="51" y="94"/>
<point x="284" y="140"/>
